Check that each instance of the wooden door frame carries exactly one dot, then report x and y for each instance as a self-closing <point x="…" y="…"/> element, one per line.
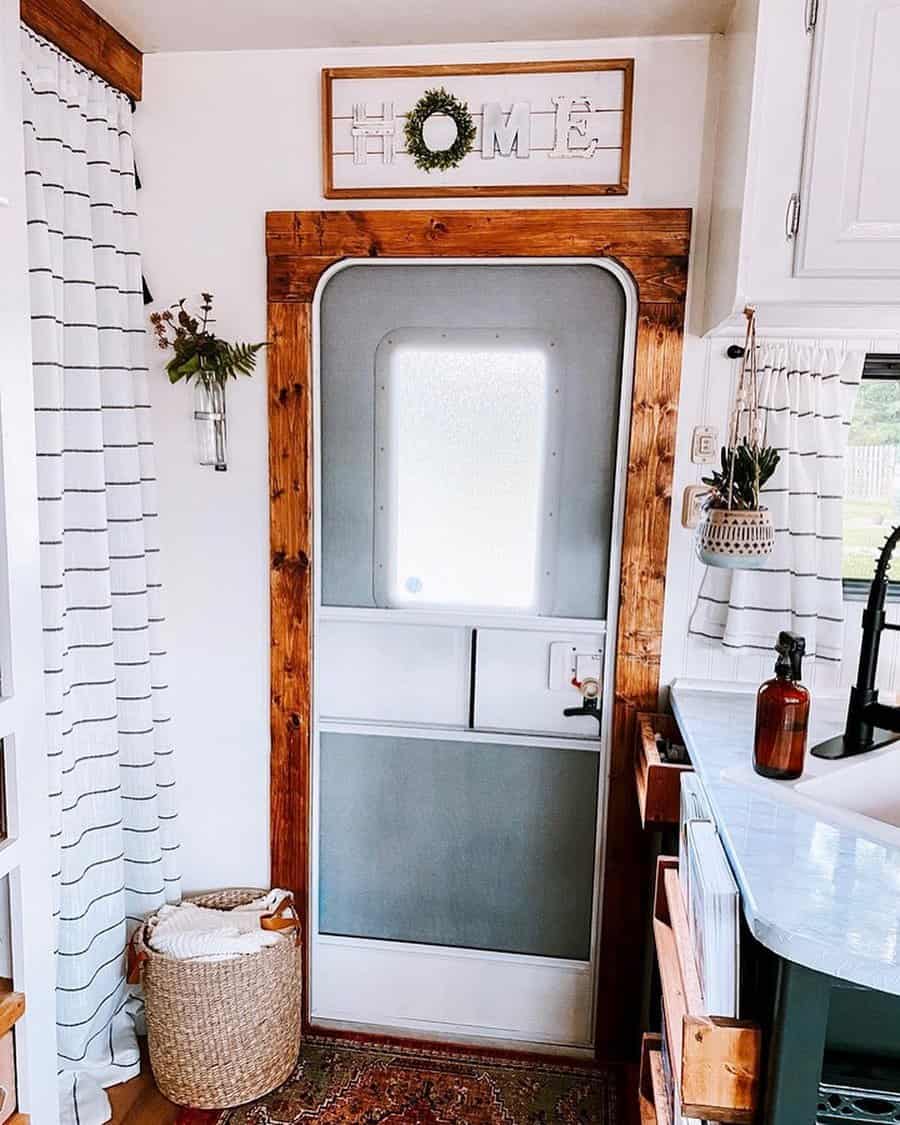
<point x="653" y="245"/>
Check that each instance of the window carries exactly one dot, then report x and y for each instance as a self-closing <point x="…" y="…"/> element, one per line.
<point x="464" y="420"/>
<point x="872" y="478"/>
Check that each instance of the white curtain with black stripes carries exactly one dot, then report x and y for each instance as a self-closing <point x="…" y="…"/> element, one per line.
<point x="111" y="775"/>
<point x="806" y="395"/>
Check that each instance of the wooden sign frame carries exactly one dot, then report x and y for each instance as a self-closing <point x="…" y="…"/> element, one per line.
<point x="437" y="73"/>
<point x="653" y="245"/>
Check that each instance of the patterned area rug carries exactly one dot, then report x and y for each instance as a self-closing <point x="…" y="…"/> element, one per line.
<point x="348" y="1084"/>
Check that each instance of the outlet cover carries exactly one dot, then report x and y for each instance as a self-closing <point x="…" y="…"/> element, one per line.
<point x="692" y="505"/>
<point x="704" y="445"/>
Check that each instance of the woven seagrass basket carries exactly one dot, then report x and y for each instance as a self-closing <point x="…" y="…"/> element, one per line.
<point x="222" y="1033"/>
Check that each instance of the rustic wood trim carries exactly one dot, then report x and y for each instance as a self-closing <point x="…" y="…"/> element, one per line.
<point x="637" y="234"/>
<point x="301" y="246"/>
<point x="485" y="191"/>
<point x="78" y="31"/>
<point x="290" y="534"/>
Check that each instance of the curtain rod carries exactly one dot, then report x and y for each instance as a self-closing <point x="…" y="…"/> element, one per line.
<point x="878" y="365"/>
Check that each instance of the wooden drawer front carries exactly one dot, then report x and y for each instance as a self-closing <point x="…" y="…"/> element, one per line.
<point x="654" y="1105"/>
<point x="7" y="1078"/>
<point x="658" y="783"/>
<point x="716" y="1061"/>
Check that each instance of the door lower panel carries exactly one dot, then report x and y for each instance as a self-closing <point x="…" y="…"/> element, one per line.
<point x="458" y="844"/>
<point x="425" y="990"/>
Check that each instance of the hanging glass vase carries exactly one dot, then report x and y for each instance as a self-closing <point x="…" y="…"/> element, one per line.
<point x="209" y="422"/>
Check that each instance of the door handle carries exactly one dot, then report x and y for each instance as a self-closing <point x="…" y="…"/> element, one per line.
<point x="589" y="707"/>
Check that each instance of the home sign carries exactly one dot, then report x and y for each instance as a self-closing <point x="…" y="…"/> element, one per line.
<point x="545" y="128"/>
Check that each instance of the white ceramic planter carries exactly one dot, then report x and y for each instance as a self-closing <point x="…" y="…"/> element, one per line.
<point x="738" y="540"/>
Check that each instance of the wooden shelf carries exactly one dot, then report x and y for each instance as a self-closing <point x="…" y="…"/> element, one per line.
<point x="12" y="1005"/>
<point x="716" y="1061"/>
<point x="652" y="1097"/>
<point x="658" y="783"/>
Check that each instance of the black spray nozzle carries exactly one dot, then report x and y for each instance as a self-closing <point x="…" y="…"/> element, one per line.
<point x="791" y="648"/>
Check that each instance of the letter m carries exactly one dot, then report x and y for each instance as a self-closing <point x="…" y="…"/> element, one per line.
<point x="502" y="135"/>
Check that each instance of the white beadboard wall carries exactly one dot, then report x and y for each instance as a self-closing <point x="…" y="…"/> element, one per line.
<point x="705" y="399"/>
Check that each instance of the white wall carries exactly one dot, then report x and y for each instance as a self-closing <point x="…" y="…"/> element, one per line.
<point x="221" y="139"/>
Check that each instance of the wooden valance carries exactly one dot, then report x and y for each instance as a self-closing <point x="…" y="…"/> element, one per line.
<point x="77" y="29"/>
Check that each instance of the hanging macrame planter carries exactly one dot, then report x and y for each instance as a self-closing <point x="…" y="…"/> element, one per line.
<point x="736" y="530"/>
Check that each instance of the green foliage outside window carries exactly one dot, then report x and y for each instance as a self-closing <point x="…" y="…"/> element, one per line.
<point x="871" y="507"/>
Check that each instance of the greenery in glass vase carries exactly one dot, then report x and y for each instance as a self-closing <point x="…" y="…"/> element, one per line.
<point x="745" y="469"/>
<point x="199" y="353"/>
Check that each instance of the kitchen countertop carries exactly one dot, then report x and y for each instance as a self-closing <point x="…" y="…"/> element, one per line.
<point x="815" y="892"/>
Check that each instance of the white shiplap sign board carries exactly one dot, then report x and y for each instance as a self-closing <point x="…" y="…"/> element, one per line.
<point x="550" y="128"/>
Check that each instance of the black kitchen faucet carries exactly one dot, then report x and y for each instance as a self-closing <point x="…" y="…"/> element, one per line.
<point x="869" y="723"/>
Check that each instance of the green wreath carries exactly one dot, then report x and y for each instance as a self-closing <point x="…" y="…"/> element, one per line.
<point x="431" y="102"/>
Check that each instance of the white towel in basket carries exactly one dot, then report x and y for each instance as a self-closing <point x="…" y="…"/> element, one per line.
<point x="192" y="932"/>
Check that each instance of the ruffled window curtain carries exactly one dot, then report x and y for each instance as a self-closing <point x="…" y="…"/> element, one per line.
<point x="111" y="775"/>
<point x="806" y="395"/>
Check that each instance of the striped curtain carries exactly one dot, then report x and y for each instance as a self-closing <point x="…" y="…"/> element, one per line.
<point x="806" y="395"/>
<point x="111" y="774"/>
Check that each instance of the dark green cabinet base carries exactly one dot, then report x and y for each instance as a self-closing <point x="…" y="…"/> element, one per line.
<point x="833" y="1048"/>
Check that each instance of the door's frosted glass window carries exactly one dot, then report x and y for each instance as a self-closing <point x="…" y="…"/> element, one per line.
<point x="464" y="421"/>
<point x="581" y="308"/>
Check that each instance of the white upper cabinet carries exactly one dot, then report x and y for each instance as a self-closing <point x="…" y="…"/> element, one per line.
<point x="850" y="222"/>
<point x="805" y="208"/>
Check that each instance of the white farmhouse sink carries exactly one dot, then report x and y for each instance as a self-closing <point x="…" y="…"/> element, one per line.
<point x="869" y="785"/>
<point x="861" y="794"/>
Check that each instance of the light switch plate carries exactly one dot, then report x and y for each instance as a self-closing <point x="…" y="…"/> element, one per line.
<point x="704" y="445"/>
<point x="568" y="661"/>
<point x="588" y="666"/>
<point x="692" y="505"/>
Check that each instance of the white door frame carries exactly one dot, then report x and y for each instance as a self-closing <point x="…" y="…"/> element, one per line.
<point x="363" y="964"/>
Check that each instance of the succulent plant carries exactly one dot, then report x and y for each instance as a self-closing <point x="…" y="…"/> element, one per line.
<point x="745" y="469"/>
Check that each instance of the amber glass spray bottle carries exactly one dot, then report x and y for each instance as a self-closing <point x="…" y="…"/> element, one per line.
<point x="782" y="714"/>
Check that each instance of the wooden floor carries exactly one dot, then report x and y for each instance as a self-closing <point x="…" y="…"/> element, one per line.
<point x="138" y="1102"/>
